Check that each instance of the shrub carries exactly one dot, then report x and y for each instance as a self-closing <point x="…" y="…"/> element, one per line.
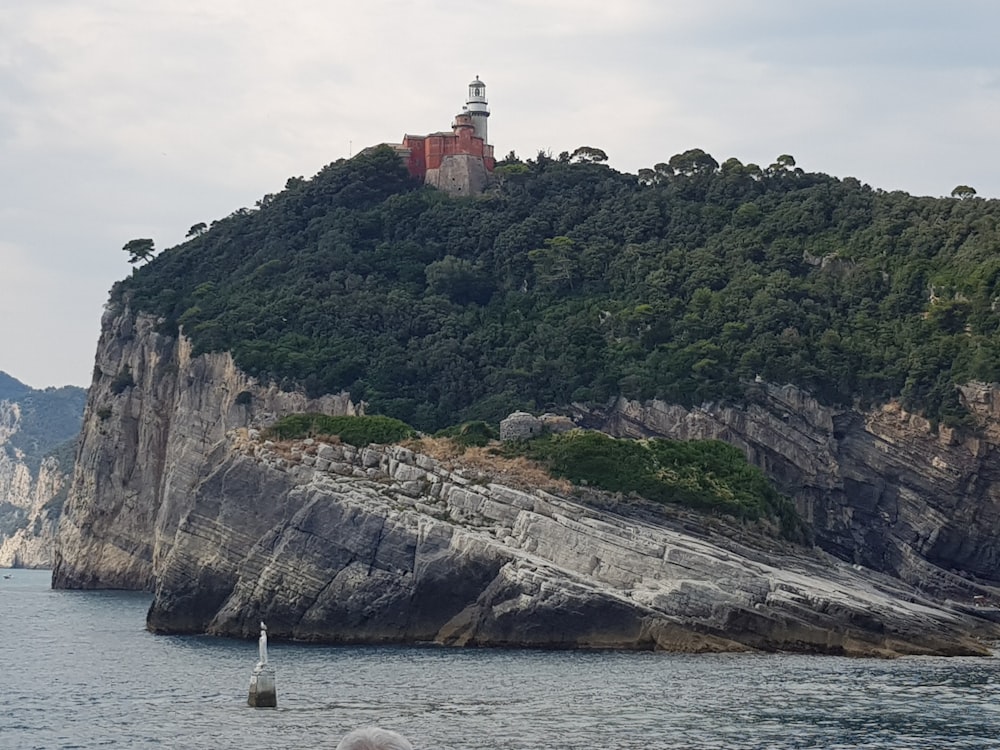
<point x="708" y="475"/>
<point x="469" y="434"/>
<point x="357" y="431"/>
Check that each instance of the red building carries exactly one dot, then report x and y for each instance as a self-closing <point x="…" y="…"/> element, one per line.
<point x="461" y="161"/>
<point x="428" y="151"/>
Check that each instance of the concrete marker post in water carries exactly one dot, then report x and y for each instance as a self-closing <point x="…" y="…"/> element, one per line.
<point x="262" y="690"/>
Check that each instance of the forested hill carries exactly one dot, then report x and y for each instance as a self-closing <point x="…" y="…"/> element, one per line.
<point x="574" y="282"/>
<point x="11" y="388"/>
<point x="48" y="422"/>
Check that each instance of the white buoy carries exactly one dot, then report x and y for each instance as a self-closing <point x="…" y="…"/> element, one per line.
<point x="262" y="690"/>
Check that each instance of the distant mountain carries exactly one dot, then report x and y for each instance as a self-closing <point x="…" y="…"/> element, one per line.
<point x="36" y="461"/>
<point x="11" y="388"/>
<point x="49" y="419"/>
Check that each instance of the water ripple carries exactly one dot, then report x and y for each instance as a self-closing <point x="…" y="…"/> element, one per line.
<point x="81" y="672"/>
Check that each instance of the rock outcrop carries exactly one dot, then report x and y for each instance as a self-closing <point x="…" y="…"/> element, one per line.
<point x="155" y="415"/>
<point x="880" y="488"/>
<point x="34" y="424"/>
<point x="334" y="544"/>
<point x="39" y="497"/>
<point x="171" y="493"/>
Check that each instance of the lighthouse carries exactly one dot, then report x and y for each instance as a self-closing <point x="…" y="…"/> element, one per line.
<point x="460" y="162"/>
<point x="478" y="108"/>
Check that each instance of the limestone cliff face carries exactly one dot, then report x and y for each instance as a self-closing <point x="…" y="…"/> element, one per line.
<point x="172" y="493"/>
<point x="333" y="544"/>
<point x="31" y="546"/>
<point x="28" y="500"/>
<point x="880" y="488"/>
<point x="154" y="418"/>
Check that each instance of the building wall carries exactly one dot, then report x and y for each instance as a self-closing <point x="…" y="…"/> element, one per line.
<point x="428" y="152"/>
<point x="459" y="174"/>
<point x="459" y="162"/>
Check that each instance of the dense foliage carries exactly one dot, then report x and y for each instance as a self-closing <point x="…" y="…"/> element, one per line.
<point x="11" y="388"/>
<point x="573" y="282"/>
<point x="707" y="475"/>
<point x="357" y="431"/>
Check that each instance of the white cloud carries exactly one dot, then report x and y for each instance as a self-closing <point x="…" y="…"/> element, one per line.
<point x="38" y="309"/>
<point x="121" y="119"/>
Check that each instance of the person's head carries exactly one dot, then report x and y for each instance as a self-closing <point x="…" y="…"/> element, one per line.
<point x="373" y="738"/>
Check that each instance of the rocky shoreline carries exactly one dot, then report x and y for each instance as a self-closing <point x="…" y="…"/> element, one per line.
<point x="172" y="494"/>
<point x="335" y="544"/>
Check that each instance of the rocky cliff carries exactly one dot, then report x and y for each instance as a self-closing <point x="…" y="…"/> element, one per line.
<point x="881" y="487"/>
<point x="334" y="544"/>
<point x="29" y="543"/>
<point x="154" y="417"/>
<point x="36" y="432"/>
<point x="172" y="492"/>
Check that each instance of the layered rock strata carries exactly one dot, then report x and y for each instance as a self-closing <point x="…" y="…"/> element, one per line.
<point x="154" y="418"/>
<point x="32" y="495"/>
<point x="31" y="546"/>
<point x="881" y="488"/>
<point x="385" y="545"/>
<point x="335" y="544"/>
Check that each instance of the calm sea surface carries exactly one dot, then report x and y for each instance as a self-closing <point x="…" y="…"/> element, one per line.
<point x="79" y="671"/>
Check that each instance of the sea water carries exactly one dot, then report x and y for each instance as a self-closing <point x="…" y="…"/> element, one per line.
<point x="79" y="670"/>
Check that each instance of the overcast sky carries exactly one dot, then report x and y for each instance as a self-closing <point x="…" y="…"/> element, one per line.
<point x="123" y="119"/>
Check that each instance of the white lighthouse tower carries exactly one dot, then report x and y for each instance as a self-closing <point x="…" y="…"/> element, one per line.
<point x="477" y="107"/>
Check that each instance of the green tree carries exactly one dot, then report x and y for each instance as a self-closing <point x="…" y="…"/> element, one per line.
<point x="139" y="250"/>
<point x="589" y="155"/>
<point x="647" y="176"/>
<point x="197" y="229"/>
<point x="694" y="161"/>
<point x="963" y="192"/>
<point x="556" y="265"/>
<point x="459" y="280"/>
<point x="663" y="171"/>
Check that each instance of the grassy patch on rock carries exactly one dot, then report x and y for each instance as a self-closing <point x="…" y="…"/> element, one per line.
<point x="708" y="475"/>
<point x="356" y="431"/>
<point x="470" y="434"/>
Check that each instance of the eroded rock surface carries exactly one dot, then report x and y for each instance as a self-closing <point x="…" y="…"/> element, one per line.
<point x="334" y="544"/>
<point x="37" y="496"/>
<point x="31" y="493"/>
<point x="879" y="488"/>
<point x="171" y="492"/>
<point x="154" y="418"/>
